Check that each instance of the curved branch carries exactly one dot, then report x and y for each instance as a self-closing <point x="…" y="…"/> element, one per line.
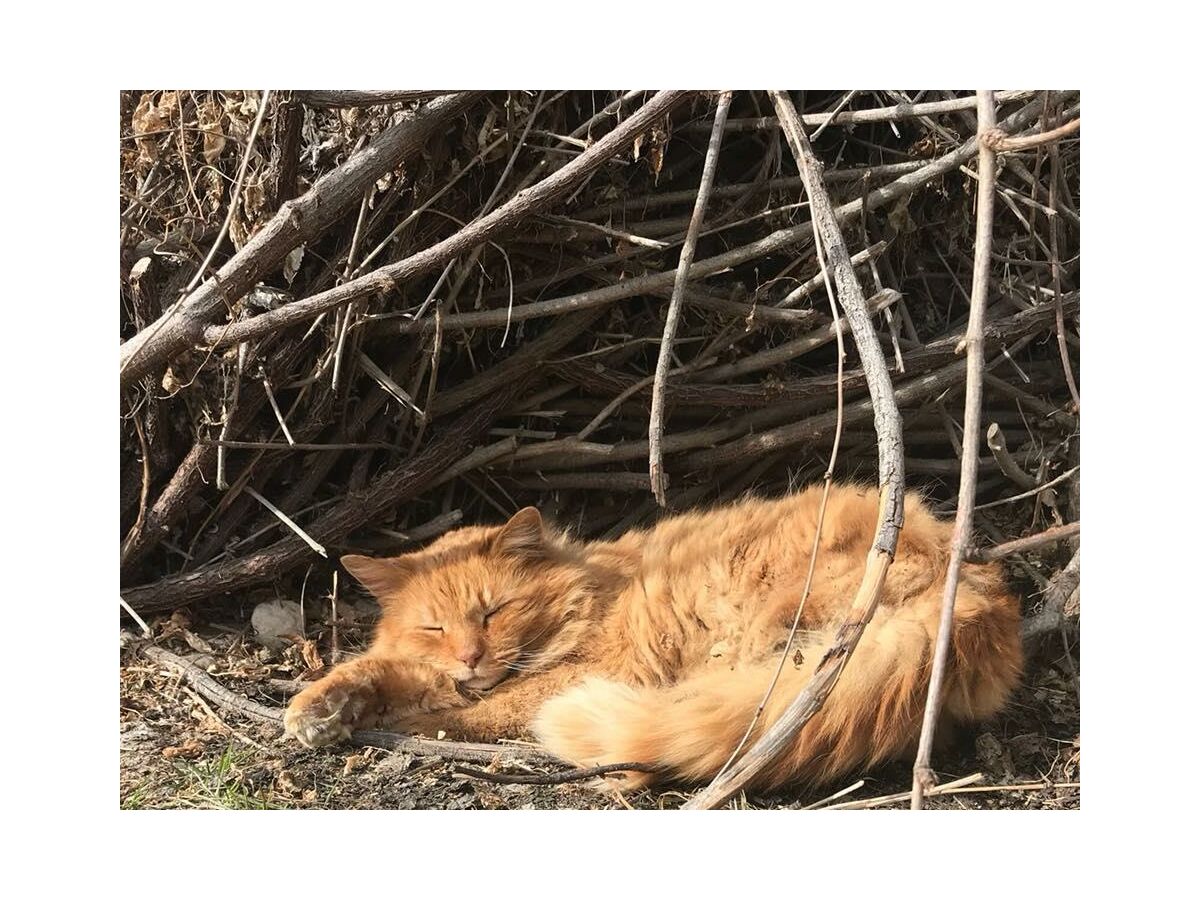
<point x="891" y="481"/>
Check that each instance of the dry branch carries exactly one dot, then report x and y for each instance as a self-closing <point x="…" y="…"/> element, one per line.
<point x="658" y="482"/>
<point x="960" y="540"/>
<point x="1023" y="545"/>
<point x="778" y="737"/>
<point x="1058" y="596"/>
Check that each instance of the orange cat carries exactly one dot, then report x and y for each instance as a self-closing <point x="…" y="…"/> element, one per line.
<point x="657" y="647"/>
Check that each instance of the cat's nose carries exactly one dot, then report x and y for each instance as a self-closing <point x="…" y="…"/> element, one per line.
<point x="469" y="656"/>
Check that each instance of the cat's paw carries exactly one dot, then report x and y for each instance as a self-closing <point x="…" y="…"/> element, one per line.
<point x="317" y="718"/>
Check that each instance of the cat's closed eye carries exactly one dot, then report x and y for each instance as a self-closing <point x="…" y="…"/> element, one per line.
<point x="489" y="613"/>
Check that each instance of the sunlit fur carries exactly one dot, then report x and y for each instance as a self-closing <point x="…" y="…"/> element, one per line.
<point x="658" y="647"/>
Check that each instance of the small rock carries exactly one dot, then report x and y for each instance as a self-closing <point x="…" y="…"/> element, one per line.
<point x="276" y="622"/>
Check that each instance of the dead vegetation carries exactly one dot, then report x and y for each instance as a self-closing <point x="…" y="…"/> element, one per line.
<point x="352" y="321"/>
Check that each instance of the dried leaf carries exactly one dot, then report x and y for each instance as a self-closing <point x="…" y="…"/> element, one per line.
<point x="254" y="197"/>
<point x="187" y="750"/>
<point x="286" y="783"/>
<point x="291" y="264"/>
<point x="197" y="643"/>
<point x="168" y="107"/>
<point x="214" y="187"/>
<point x="657" y="149"/>
<point x="312" y="656"/>
<point x="209" y="117"/>
<point x="146" y="120"/>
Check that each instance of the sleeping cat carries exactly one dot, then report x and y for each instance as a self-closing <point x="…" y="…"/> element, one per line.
<point x="658" y="647"/>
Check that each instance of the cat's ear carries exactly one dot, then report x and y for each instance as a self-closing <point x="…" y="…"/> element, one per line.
<point x="522" y="536"/>
<point x="379" y="576"/>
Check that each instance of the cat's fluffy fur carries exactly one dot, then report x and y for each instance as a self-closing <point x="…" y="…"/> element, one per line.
<point x="658" y="647"/>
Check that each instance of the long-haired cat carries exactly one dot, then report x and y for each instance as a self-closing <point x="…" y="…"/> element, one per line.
<point x="658" y="647"/>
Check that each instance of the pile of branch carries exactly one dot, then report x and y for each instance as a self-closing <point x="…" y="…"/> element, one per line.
<point x="351" y="320"/>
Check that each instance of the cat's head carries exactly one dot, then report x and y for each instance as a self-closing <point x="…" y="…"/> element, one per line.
<point x="479" y="604"/>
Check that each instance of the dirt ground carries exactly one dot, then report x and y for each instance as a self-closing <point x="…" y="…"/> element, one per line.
<point x="179" y="750"/>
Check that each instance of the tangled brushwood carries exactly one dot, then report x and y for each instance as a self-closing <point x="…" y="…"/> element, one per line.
<point x="353" y="320"/>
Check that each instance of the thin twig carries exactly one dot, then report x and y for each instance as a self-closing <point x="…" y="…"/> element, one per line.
<point x="998" y="142"/>
<point x="999" y="447"/>
<point x="923" y="777"/>
<point x="555" y="777"/>
<point x="1023" y="545"/>
<point x="1037" y="490"/>
<point x="278" y="415"/>
<point x="658" y="397"/>
<point x="283" y="517"/>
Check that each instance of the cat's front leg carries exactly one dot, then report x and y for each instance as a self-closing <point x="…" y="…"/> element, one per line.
<point x="503" y="712"/>
<point x="366" y="692"/>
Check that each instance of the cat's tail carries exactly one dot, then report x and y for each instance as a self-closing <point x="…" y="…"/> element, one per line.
<point x="873" y="713"/>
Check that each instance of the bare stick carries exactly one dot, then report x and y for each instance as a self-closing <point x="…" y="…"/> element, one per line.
<point x="282" y="517"/>
<point x="1062" y="587"/>
<point x="1008" y="465"/>
<point x="998" y="142"/>
<point x="658" y="396"/>
<point x="133" y="614"/>
<point x="275" y="408"/>
<point x="335" y="645"/>
<point x="870" y="803"/>
<point x="1023" y="545"/>
<point x="1056" y="277"/>
<point x="1037" y="490"/>
<point x="923" y="777"/>
<point x="781" y="735"/>
<point x="817" y="281"/>
<point x="816" y="545"/>
<point x="884" y="114"/>
<point x="555" y="777"/>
